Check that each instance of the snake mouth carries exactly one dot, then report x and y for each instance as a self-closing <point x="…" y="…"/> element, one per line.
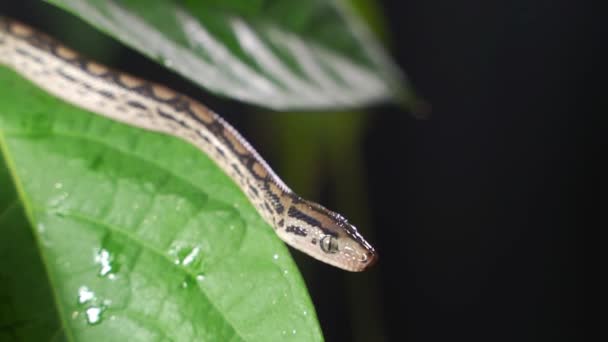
<point x="372" y="260"/>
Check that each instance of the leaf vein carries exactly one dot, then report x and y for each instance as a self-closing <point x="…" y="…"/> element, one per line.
<point x="150" y="248"/>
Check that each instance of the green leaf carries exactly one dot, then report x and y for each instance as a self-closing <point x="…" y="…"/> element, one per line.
<point x="26" y="303"/>
<point x="131" y="235"/>
<point x="308" y="54"/>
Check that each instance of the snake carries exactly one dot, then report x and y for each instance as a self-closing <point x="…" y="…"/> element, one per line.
<point x="59" y="70"/>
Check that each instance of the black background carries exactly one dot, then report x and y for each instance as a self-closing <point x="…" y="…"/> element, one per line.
<point x="476" y="211"/>
<point x="485" y="237"/>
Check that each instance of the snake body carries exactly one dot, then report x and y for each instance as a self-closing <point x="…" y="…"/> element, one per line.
<point x="305" y="225"/>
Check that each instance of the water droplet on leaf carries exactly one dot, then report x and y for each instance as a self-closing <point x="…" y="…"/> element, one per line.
<point x="187" y="256"/>
<point x="103" y="258"/>
<point x="85" y="295"/>
<point x="114" y="254"/>
<point x="94" y="314"/>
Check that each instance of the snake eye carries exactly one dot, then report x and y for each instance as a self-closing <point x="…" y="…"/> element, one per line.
<point x="329" y="244"/>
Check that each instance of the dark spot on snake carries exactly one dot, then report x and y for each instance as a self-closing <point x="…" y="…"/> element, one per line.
<point x="313" y="241"/>
<point x="180" y="104"/>
<point x="165" y="115"/>
<point x="267" y="206"/>
<point x="144" y="89"/>
<point x="112" y="76"/>
<point x="281" y="223"/>
<point x="279" y="207"/>
<point x="80" y="63"/>
<point x="183" y="124"/>
<point x="236" y="169"/>
<point x="296" y="199"/>
<point x="66" y="76"/>
<point x="172" y="118"/>
<point x="254" y="191"/>
<point x="296" y="230"/>
<point x="276" y="201"/>
<point x="106" y="94"/>
<point x="295" y="213"/>
<point x="137" y="105"/>
<point x="27" y="54"/>
<point x="220" y="152"/>
<point x="44" y="43"/>
<point x="217" y="128"/>
<point x="248" y="160"/>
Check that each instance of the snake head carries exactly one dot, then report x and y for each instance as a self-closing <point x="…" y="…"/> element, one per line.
<point x="327" y="236"/>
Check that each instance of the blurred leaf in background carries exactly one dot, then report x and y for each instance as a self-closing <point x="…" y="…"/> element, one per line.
<point x="311" y="54"/>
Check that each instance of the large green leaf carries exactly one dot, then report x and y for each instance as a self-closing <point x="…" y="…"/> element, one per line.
<point x="131" y="235"/>
<point x="304" y="54"/>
